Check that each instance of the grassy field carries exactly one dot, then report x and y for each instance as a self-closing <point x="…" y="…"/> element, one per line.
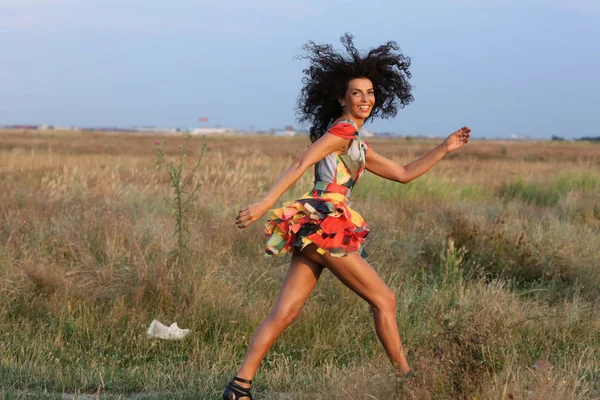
<point x="494" y="257"/>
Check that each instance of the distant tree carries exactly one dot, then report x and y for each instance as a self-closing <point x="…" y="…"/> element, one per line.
<point x="557" y="138"/>
<point x="590" y="138"/>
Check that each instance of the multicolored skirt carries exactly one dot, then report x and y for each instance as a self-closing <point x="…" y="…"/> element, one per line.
<point x="320" y="218"/>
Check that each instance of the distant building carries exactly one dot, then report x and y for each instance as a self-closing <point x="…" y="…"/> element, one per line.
<point x="366" y="133"/>
<point x="211" y="131"/>
<point x="154" y="129"/>
<point x="24" y="127"/>
<point x="287" y="131"/>
<point x="65" y="128"/>
<point x="515" y="136"/>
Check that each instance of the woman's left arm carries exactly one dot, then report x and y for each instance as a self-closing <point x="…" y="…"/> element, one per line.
<point x="386" y="168"/>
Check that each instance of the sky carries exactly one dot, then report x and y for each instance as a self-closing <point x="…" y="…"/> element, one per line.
<point x="501" y="67"/>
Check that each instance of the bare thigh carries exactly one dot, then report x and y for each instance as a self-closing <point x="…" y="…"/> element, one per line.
<point x="299" y="281"/>
<point x="356" y="273"/>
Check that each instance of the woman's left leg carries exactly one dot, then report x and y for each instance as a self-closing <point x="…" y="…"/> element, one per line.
<point x="299" y="281"/>
<point x="357" y="274"/>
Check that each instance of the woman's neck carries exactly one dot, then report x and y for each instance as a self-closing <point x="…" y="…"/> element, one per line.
<point x="359" y="122"/>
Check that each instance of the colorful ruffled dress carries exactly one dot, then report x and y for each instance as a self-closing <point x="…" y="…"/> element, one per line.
<point x="322" y="216"/>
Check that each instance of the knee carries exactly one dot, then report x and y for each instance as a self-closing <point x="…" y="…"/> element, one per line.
<point x="385" y="302"/>
<point x="285" y="315"/>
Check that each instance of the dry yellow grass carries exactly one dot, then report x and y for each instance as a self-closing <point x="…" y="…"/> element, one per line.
<point x="493" y="256"/>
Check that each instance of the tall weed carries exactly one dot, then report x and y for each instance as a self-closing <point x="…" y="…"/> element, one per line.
<point x="183" y="189"/>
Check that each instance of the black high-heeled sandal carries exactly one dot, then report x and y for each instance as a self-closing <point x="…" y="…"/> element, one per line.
<point x="233" y="391"/>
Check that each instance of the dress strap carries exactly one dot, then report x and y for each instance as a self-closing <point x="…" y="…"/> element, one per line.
<point x="352" y="122"/>
<point x="344" y="130"/>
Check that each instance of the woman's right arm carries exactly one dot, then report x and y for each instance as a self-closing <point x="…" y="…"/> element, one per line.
<point x="325" y="145"/>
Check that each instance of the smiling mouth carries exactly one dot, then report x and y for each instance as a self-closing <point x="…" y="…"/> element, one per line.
<point x="364" y="108"/>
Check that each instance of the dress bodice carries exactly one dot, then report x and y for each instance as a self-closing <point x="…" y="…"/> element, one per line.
<point x="346" y="168"/>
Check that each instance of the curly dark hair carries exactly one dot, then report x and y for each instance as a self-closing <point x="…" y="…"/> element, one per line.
<point x="326" y="80"/>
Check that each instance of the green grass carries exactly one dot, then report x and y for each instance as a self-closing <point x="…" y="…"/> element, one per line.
<point x="549" y="194"/>
<point x="427" y="188"/>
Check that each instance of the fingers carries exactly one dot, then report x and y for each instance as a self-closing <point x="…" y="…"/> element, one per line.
<point x="458" y="139"/>
<point x="244" y="218"/>
<point x="464" y="134"/>
<point x="242" y="225"/>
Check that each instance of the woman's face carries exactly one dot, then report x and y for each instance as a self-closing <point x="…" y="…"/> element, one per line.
<point x="359" y="99"/>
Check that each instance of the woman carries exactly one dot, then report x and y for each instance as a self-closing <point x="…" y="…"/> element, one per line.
<point x="340" y="93"/>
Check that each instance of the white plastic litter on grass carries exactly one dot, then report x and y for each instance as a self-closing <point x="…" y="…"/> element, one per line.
<point x="158" y="330"/>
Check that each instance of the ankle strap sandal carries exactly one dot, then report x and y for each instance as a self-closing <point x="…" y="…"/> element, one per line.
<point x="235" y="391"/>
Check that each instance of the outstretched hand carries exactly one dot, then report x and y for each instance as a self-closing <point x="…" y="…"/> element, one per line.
<point x="458" y="139"/>
<point x="250" y="214"/>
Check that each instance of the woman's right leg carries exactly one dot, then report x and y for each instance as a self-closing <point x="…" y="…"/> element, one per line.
<point x="299" y="281"/>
